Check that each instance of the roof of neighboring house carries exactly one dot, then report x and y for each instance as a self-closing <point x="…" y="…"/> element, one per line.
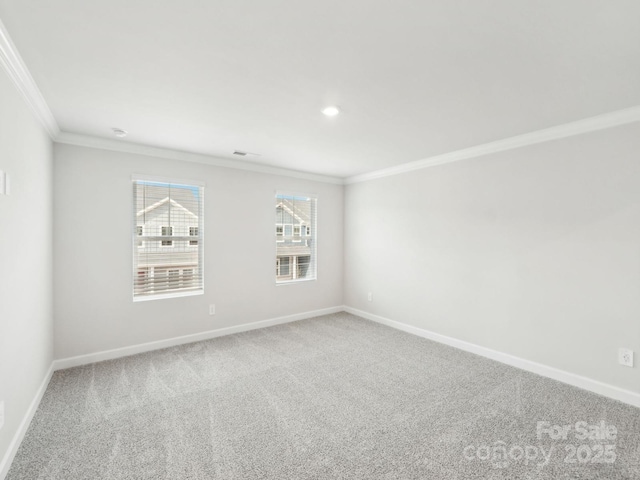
<point x="300" y="210"/>
<point x="162" y="202"/>
<point x="151" y="197"/>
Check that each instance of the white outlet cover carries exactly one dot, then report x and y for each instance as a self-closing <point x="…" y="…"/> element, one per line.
<point x="625" y="357"/>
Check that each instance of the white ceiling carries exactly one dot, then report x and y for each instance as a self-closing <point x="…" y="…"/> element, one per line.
<point x="414" y="78"/>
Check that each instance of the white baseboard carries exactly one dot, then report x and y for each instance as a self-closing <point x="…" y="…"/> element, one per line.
<point x="626" y="396"/>
<point x="196" y="337"/>
<point x="5" y="463"/>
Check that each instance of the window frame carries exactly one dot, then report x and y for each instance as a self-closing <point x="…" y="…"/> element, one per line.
<point x="313" y="225"/>
<point x="184" y="289"/>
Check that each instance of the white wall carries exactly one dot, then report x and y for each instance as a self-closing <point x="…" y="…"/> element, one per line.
<point x="92" y="249"/>
<point x="533" y="252"/>
<point x="26" y="317"/>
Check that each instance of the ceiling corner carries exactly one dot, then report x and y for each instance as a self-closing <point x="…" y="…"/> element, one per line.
<point x="12" y="63"/>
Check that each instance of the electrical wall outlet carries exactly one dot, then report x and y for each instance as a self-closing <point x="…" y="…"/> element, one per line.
<point x="1" y="415"/>
<point x="625" y="357"/>
<point x="212" y="309"/>
<point x="370" y="296"/>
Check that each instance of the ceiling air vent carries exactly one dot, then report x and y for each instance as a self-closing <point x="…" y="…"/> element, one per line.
<point x="240" y="153"/>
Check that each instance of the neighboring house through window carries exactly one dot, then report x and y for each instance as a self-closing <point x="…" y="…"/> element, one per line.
<point x="167" y="214"/>
<point x="296" y="249"/>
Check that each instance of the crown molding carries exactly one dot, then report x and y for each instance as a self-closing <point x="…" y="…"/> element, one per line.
<point x="157" y="152"/>
<point x="12" y="63"/>
<point x="591" y="124"/>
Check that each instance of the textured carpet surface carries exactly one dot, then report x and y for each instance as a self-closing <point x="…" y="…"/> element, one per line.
<point x="330" y="397"/>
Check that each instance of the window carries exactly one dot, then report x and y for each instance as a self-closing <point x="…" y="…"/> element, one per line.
<point x="282" y="265"/>
<point x="167" y="232"/>
<point x="160" y="279"/>
<point x="167" y="214"/>
<point x="187" y="277"/>
<point x="174" y="278"/>
<point x="296" y="256"/>
<point x="143" y="275"/>
<point x="139" y="233"/>
<point x="193" y="232"/>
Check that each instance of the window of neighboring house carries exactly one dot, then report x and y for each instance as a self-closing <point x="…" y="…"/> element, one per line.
<point x="295" y="261"/>
<point x="174" y="278"/>
<point x="193" y="232"/>
<point x="141" y="280"/>
<point x="167" y="232"/>
<point x="187" y="277"/>
<point x="173" y="211"/>
<point x="160" y="279"/>
<point x="302" y="265"/>
<point x="139" y="233"/>
<point x="282" y="266"/>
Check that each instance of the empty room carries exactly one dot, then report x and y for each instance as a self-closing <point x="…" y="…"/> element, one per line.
<point x="319" y="240"/>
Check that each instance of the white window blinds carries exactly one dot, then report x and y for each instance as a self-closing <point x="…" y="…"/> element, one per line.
<point x="296" y="237"/>
<point x="167" y="238"/>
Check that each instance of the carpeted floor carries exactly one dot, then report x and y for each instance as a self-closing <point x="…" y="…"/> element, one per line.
<point x="331" y="397"/>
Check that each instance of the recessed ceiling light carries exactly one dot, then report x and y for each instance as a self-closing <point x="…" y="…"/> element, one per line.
<point x="118" y="132"/>
<point x="331" y="111"/>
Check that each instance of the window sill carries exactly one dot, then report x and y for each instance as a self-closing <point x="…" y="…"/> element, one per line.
<point x="161" y="296"/>
<point x="293" y="282"/>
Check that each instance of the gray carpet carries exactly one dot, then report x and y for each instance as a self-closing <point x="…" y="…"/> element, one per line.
<point x="331" y="397"/>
